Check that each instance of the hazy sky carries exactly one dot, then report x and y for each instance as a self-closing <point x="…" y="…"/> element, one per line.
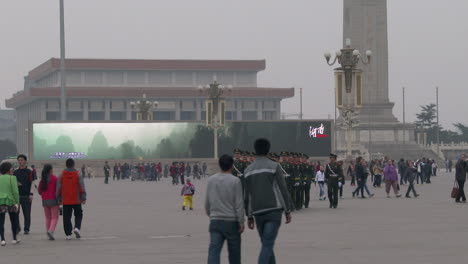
<point x="427" y="41"/>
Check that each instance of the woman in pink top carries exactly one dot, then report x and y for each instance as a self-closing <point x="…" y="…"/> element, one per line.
<point x="47" y="189"/>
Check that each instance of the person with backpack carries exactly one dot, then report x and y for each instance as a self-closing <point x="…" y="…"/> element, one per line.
<point x="71" y="193"/>
<point x="48" y="191"/>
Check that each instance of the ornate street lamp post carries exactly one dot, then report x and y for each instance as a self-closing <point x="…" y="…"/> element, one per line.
<point x="349" y="77"/>
<point x="215" y="108"/>
<point x="144" y="108"/>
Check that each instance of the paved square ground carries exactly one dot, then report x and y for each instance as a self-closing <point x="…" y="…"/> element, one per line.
<point x="142" y="222"/>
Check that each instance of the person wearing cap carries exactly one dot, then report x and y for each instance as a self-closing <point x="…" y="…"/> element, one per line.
<point x="309" y="173"/>
<point x="286" y="167"/>
<point x="237" y="166"/>
<point x="333" y="175"/>
<point x="297" y="179"/>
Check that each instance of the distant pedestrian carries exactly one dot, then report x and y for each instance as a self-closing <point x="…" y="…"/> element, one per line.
<point x="107" y="169"/>
<point x="83" y="170"/>
<point x="48" y="190"/>
<point x="410" y="175"/>
<point x="321" y="182"/>
<point x="204" y="169"/>
<point x="402" y="171"/>
<point x="377" y="170"/>
<point x="9" y="201"/>
<point x="460" y="176"/>
<point x="166" y="170"/>
<point x="450" y="165"/>
<point x="391" y="179"/>
<point x="187" y="192"/>
<point x="435" y="167"/>
<point x="224" y="204"/>
<point x="89" y="171"/>
<point x="267" y="197"/>
<point x="352" y="173"/>
<point x="71" y="193"/>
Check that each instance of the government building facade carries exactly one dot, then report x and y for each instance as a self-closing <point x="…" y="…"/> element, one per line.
<point x="103" y="89"/>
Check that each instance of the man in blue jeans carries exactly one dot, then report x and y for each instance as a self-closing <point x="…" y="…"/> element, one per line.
<point x="224" y="204"/>
<point x="267" y="198"/>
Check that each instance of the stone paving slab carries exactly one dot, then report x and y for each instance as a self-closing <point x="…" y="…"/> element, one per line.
<point x="142" y="222"/>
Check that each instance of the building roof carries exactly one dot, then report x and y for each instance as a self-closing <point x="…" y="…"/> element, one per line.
<point x="53" y="64"/>
<point x="32" y="94"/>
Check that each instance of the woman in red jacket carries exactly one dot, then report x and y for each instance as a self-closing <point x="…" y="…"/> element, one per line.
<point x="47" y="189"/>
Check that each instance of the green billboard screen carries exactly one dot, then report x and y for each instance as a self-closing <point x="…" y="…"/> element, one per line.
<point x="174" y="140"/>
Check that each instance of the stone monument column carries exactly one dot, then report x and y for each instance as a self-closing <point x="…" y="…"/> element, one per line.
<point x="365" y="23"/>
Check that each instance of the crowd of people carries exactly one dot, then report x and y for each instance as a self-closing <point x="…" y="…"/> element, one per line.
<point x="177" y="170"/>
<point x="61" y="195"/>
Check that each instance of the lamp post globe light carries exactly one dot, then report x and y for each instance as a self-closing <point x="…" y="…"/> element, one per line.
<point x="215" y="108"/>
<point x="144" y="107"/>
<point x="349" y="77"/>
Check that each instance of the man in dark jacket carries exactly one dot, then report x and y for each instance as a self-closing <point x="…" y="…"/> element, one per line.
<point x="25" y="178"/>
<point x="460" y="175"/>
<point x="402" y="171"/>
<point x="360" y="176"/>
<point x="410" y="175"/>
<point x="267" y="198"/>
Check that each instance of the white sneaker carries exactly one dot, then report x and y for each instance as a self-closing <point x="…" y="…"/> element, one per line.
<point x="77" y="233"/>
<point x="68" y="237"/>
<point x="17" y="241"/>
<point x="3" y="243"/>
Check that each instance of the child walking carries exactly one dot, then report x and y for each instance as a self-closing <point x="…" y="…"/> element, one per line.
<point x="47" y="189"/>
<point x="187" y="192"/>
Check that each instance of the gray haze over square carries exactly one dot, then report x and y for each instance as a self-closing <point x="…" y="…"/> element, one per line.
<point x="427" y="43"/>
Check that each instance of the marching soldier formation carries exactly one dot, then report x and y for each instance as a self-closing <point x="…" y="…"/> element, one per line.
<point x="298" y="170"/>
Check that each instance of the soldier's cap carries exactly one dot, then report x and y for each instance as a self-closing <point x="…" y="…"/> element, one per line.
<point x="236" y="151"/>
<point x="333" y="156"/>
<point x="284" y="153"/>
<point x="294" y="154"/>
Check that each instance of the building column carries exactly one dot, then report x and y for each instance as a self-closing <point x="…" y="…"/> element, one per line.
<point x="86" y="110"/>
<point x="177" y="110"/>
<point x="239" y="109"/>
<point x="278" y="109"/>
<point x="42" y="110"/>
<point x="107" y="110"/>
<point x="128" y="108"/>
<point x="198" y="109"/>
<point x="259" y="110"/>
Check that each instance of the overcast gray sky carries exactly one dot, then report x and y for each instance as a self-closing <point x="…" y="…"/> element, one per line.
<point x="428" y="43"/>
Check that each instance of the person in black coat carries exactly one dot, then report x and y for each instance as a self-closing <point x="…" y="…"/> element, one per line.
<point x="410" y="174"/>
<point x="460" y="176"/>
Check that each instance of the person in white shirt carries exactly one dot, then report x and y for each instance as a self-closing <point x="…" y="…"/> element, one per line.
<point x="320" y="177"/>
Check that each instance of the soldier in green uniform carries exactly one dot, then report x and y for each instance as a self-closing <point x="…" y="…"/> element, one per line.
<point x="309" y="174"/>
<point x="296" y="169"/>
<point x="237" y="163"/>
<point x="286" y="165"/>
<point x="333" y="175"/>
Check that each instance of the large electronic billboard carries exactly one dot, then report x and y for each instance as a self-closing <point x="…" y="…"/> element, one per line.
<point x="174" y="140"/>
